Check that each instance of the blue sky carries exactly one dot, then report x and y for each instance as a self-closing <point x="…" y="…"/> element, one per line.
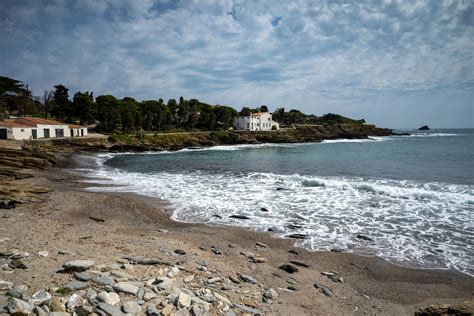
<point x="394" y="63"/>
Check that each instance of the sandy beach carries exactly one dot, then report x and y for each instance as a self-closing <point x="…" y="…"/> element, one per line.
<point x="131" y="225"/>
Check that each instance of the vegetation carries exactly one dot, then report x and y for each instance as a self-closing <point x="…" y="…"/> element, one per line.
<point x="127" y="115"/>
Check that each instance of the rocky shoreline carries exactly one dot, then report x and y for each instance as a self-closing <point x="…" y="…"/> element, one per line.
<point x="64" y="251"/>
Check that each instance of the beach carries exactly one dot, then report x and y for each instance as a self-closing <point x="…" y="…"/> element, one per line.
<point x="70" y="223"/>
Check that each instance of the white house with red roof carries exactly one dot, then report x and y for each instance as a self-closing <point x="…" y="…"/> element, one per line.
<point x="261" y="121"/>
<point x="22" y="128"/>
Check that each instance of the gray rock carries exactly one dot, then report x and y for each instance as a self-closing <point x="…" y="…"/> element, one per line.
<point x="149" y="296"/>
<point x="103" y="280"/>
<point x="72" y="302"/>
<point x="59" y="314"/>
<point x="152" y="311"/>
<point x="19" y="307"/>
<point x="16" y="293"/>
<point x="108" y="298"/>
<point x="141" y="293"/>
<point x="41" y="297"/>
<point x="5" y="285"/>
<point x="40" y="311"/>
<point x="83" y="310"/>
<point x="270" y="294"/>
<point x="83" y="276"/>
<point x="126" y="287"/>
<point x="247" y="309"/>
<point x="131" y="308"/>
<point x="247" y="278"/>
<point x="18" y="264"/>
<point x="3" y="301"/>
<point x="184" y="300"/>
<point x="324" y="290"/>
<point x="109" y="310"/>
<point x="230" y="313"/>
<point x="78" y="265"/>
<point x="213" y="280"/>
<point x="76" y="285"/>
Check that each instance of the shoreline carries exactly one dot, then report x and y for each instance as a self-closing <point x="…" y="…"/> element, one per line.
<point x="136" y="225"/>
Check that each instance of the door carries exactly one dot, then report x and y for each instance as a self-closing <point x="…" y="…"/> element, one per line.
<point x="59" y="132"/>
<point x="46" y="132"/>
<point x="3" y="133"/>
<point x="34" y="133"/>
<point x="82" y="132"/>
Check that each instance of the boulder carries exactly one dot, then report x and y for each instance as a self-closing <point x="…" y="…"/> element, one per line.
<point x="126" y="287"/>
<point x="78" y="265"/>
<point x="19" y="307"/>
<point x="111" y="298"/>
<point x="131" y="308"/>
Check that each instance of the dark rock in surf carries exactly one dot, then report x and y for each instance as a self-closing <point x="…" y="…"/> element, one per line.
<point x="263" y="209"/>
<point x="424" y="128"/>
<point x="289" y="268"/>
<point x="6" y="205"/>
<point x="217" y="216"/>
<point x="364" y="237"/>
<point x="297" y="236"/>
<point x="239" y="216"/>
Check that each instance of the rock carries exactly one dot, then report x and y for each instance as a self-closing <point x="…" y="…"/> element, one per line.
<point x="297" y="236"/>
<point x="179" y="252"/>
<point x="263" y="209"/>
<point x="19" y="307"/>
<point x="78" y="265"/>
<point x="109" y="310"/>
<point x="164" y="283"/>
<point x="222" y="298"/>
<point x="299" y="263"/>
<point x="126" y="287"/>
<point x="234" y="279"/>
<point x="38" y="311"/>
<point x="324" y="290"/>
<point x="182" y="312"/>
<point x="83" y="276"/>
<point x="111" y="298"/>
<point x="97" y="219"/>
<point x="213" y="280"/>
<point x="262" y="245"/>
<point x="18" y="264"/>
<point x="328" y="274"/>
<point x="43" y="253"/>
<point x="188" y="278"/>
<point x="184" y="300"/>
<point x="55" y="305"/>
<point x="41" y="297"/>
<point x="83" y="310"/>
<point x="167" y="310"/>
<point x="148" y="296"/>
<point x="424" y="128"/>
<point x="250" y="310"/>
<point x="6" y="205"/>
<point x="5" y="285"/>
<point x="239" y="216"/>
<point x="289" y="268"/>
<point x="59" y="314"/>
<point x="76" y="285"/>
<point x="295" y="252"/>
<point x="364" y="237"/>
<point x="247" y="278"/>
<point x="131" y="308"/>
<point x="72" y="302"/>
<point x="216" y="250"/>
<point x="270" y="294"/>
<point x="173" y="271"/>
<point x="103" y="280"/>
<point x="148" y="261"/>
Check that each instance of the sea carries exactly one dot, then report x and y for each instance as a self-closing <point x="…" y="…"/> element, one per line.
<point x="410" y="198"/>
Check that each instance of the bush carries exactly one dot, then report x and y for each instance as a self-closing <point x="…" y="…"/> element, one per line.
<point x="223" y="136"/>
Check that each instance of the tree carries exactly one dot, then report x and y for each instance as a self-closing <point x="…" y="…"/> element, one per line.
<point x="263" y="108"/>
<point x="15" y="98"/>
<point x="245" y="111"/>
<point x="61" y="104"/>
<point x="83" y="107"/>
<point x="108" y="113"/>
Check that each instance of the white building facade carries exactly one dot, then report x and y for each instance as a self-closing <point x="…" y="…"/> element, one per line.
<point x="261" y="121"/>
<point x="24" y="128"/>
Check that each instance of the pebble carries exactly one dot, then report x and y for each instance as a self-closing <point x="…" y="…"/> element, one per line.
<point x="239" y="216"/>
<point x="103" y="280"/>
<point x="289" y="268"/>
<point x="41" y="297"/>
<point x="270" y="294"/>
<point x="222" y="298"/>
<point x="180" y="252"/>
<point x="324" y="289"/>
<point x="328" y="273"/>
<point x="295" y="252"/>
<point x="234" y="279"/>
<point x="18" y="264"/>
<point x="78" y="265"/>
<point x="184" y="300"/>
<point x="111" y="298"/>
<point x="131" y="308"/>
<point x="213" y="280"/>
<point x="126" y="287"/>
<point x="149" y="296"/>
<point x="83" y="276"/>
<point x="297" y="236"/>
<point x="109" y="310"/>
<point x="76" y="285"/>
<point x="5" y="285"/>
<point x="168" y="309"/>
<point x="72" y="302"/>
<point x="262" y="245"/>
<point x="247" y="278"/>
<point x="249" y="310"/>
<point x="188" y="278"/>
<point x="55" y="305"/>
<point x="43" y="253"/>
<point x="172" y="272"/>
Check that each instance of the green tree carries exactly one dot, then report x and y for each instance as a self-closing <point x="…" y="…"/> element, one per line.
<point x="83" y="107"/>
<point x="61" y="106"/>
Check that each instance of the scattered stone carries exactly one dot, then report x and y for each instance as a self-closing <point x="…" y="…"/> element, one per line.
<point x="18" y="264"/>
<point x="299" y="263"/>
<point x="131" y="308"/>
<point x="167" y="310"/>
<point x="250" y="310"/>
<point x="55" y="305"/>
<point x="180" y="252"/>
<point x="5" y="285"/>
<point x="41" y="297"/>
<point x="264" y="209"/>
<point x="64" y="252"/>
<point x="126" y="287"/>
<point x="103" y="280"/>
<point x="239" y="216"/>
<point x="172" y="272"/>
<point x="259" y="244"/>
<point x="270" y="294"/>
<point x="292" y="281"/>
<point x="222" y="298"/>
<point x="148" y="261"/>
<point x="111" y="298"/>
<point x="75" y="286"/>
<point x="19" y="307"/>
<point x="217" y="216"/>
<point x="328" y="274"/>
<point x="213" y="280"/>
<point x="216" y="250"/>
<point x="72" y="302"/>
<point x="43" y="253"/>
<point x="232" y="246"/>
<point x="188" y="278"/>
<point x="234" y="279"/>
<point x="148" y="296"/>
<point x="184" y="300"/>
<point x="83" y="276"/>
<point x="324" y="290"/>
<point x="297" y="236"/>
<point x="97" y="219"/>
<point x="289" y="268"/>
<point x="109" y="310"/>
<point x="78" y="265"/>
<point x="364" y="237"/>
<point x="247" y="278"/>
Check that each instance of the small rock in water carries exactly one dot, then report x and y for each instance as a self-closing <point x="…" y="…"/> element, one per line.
<point x="247" y="278"/>
<point x="297" y="236"/>
<point x="263" y="209"/>
<point x="364" y="237"/>
<point x="78" y="265"/>
<point x="180" y="252"/>
<point x="217" y="216"/>
<point x="288" y="268"/>
<point x="239" y="216"/>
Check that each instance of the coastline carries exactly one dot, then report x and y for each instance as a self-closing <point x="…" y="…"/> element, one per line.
<point x="135" y="225"/>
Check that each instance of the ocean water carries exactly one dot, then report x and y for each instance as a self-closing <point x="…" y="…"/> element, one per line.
<point x="413" y="196"/>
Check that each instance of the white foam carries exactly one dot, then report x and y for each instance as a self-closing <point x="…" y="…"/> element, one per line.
<point x="418" y="224"/>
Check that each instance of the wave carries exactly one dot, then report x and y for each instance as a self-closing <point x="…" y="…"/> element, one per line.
<point x="417" y="224"/>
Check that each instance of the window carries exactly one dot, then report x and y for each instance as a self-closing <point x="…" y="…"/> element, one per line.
<point x="22" y="129"/>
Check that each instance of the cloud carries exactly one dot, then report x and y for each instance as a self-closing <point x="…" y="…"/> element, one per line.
<point x="317" y="55"/>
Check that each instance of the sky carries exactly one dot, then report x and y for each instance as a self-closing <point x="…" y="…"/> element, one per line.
<point x="399" y="64"/>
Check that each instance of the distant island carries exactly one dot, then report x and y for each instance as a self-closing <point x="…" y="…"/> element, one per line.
<point x="424" y="128"/>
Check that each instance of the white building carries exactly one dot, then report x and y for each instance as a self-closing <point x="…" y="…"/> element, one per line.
<point x="32" y="128"/>
<point x="261" y="121"/>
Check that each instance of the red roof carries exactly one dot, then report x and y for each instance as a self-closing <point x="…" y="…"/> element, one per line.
<point x="10" y="123"/>
<point x="74" y="126"/>
<point x="37" y="120"/>
<point x="258" y="113"/>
